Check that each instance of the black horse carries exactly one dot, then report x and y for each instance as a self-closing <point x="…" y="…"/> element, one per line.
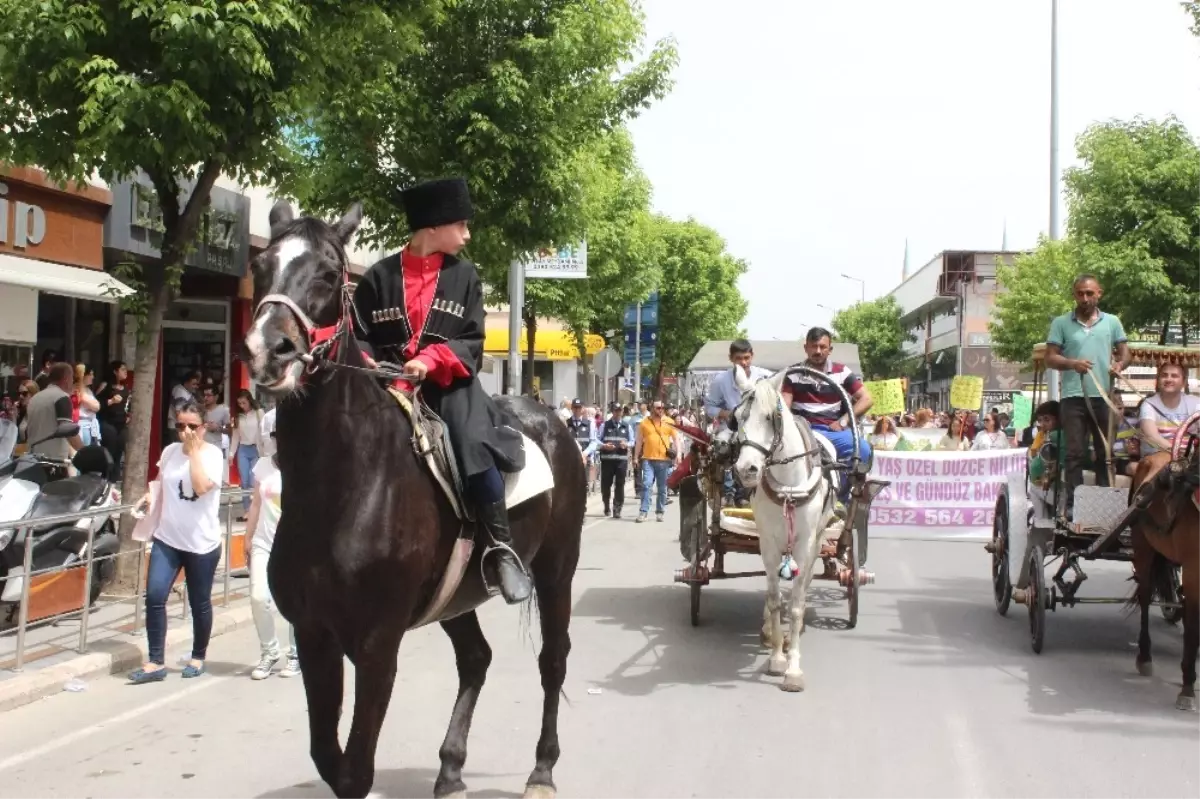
<point x="366" y="533"/>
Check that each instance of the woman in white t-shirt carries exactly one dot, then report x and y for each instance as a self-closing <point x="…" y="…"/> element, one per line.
<point x="1160" y="415"/>
<point x="188" y="537"/>
<point x="265" y="509"/>
<point x="992" y="435"/>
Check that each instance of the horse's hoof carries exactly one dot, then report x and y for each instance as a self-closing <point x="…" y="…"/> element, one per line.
<point x="792" y="683"/>
<point x="540" y="792"/>
<point x="1186" y="703"/>
<point x="777" y="666"/>
<point x="1146" y="669"/>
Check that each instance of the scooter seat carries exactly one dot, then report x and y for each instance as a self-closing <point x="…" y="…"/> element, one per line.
<point x="69" y="495"/>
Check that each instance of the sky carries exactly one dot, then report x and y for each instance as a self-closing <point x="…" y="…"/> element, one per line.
<point x="817" y="136"/>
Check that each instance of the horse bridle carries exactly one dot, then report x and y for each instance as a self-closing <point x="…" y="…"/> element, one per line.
<point x="740" y="439"/>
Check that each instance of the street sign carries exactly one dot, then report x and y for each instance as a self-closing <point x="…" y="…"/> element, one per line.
<point x="648" y="355"/>
<point x="607" y="363"/>
<point x="649" y="315"/>
<point x="649" y="337"/>
<point x="568" y="261"/>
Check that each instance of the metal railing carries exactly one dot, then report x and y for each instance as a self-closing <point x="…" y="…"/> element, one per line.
<point x="230" y="497"/>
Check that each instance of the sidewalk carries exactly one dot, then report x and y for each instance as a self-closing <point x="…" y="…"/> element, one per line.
<point x="51" y="657"/>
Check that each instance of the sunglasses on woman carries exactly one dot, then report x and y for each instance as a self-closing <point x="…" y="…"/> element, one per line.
<point x="181" y="426"/>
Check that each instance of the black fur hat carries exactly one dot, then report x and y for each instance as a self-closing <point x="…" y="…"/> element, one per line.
<point x="437" y="202"/>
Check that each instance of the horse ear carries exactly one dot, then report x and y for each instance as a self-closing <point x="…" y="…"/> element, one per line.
<point x="349" y="223"/>
<point x="280" y="217"/>
<point x="742" y="380"/>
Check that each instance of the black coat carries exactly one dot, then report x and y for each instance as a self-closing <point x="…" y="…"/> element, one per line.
<point x="482" y="434"/>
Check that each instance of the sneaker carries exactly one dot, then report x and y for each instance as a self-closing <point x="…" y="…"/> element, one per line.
<point x="263" y="670"/>
<point x="616" y="514"/>
<point x="640" y="518"/>
<point x="292" y="669"/>
<point x="658" y="517"/>
<point x="606" y="510"/>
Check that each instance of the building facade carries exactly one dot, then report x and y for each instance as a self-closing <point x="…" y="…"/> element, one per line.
<point x="55" y="295"/>
<point x="947" y="305"/>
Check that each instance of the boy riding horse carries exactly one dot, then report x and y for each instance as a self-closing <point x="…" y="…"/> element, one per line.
<point x="423" y="308"/>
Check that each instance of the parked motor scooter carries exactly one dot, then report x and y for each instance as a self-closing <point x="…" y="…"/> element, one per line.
<point x="37" y="487"/>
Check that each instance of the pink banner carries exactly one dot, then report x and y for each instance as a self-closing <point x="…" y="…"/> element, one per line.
<point x="945" y="494"/>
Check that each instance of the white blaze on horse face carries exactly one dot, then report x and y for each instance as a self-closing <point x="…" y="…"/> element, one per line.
<point x="256" y="344"/>
<point x="756" y="426"/>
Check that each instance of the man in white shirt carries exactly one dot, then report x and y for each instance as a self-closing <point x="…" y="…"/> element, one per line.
<point x="723" y="393"/>
<point x="724" y="396"/>
<point x="1161" y="415"/>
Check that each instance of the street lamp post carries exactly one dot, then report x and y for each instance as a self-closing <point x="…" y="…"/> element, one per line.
<point x="861" y="283"/>
<point x="1052" y="376"/>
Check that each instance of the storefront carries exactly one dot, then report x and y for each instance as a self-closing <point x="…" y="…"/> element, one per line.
<point x="559" y="371"/>
<point x="54" y="292"/>
<point x="201" y="327"/>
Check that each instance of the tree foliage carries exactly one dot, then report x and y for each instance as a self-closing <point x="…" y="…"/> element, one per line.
<point x="875" y="327"/>
<point x="1135" y="216"/>
<point x="182" y="91"/>
<point x="698" y="297"/>
<point x="1193" y="10"/>
<point x="1034" y="290"/>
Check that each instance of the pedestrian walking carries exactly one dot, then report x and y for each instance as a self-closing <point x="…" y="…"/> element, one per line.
<point x="265" y="510"/>
<point x="114" y="413"/>
<point x="656" y="450"/>
<point x="87" y="404"/>
<point x="244" y="443"/>
<point x="187" y="537"/>
<point x="616" y="441"/>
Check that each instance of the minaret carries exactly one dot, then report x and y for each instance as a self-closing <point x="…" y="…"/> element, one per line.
<point x="1004" y="237"/>
<point x="904" y="274"/>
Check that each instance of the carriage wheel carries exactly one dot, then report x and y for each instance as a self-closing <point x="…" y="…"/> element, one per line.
<point x="1173" y="615"/>
<point x="853" y="556"/>
<point x="695" y="586"/>
<point x="1001" y="582"/>
<point x="1036" y="599"/>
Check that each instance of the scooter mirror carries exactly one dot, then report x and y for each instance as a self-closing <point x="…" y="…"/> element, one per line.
<point x="66" y="430"/>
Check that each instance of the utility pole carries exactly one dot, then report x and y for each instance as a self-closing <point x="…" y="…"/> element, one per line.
<point x="516" y="302"/>
<point x="637" y="358"/>
<point x="1052" y="375"/>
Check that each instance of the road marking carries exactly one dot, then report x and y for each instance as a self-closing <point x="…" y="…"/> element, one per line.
<point x="80" y="734"/>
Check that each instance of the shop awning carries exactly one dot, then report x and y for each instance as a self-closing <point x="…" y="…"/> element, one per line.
<point x="553" y="345"/>
<point x="67" y="281"/>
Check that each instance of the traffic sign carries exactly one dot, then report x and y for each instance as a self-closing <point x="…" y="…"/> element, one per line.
<point x="648" y="355"/>
<point x="606" y="363"/>
<point x="649" y="337"/>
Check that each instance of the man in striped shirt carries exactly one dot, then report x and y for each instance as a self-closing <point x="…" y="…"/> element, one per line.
<point x="821" y="404"/>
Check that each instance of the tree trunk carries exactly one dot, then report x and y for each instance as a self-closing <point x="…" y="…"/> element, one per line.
<point x="658" y="380"/>
<point x="529" y="315"/>
<point x="1183" y="331"/>
<point x="137" y="445"/>
<point x="1162" y="337"/>
<point x="179" y="232"/>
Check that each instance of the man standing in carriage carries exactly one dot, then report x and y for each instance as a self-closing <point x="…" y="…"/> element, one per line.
<point x="1081" y="342"/>
<point x="423" y="308"/>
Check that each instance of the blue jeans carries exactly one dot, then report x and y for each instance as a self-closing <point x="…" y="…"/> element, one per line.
<point x="843" y="443"/>
<point x="247" y="456"/>
<point x="654" y="472"/>
<point x="198" y="571"/>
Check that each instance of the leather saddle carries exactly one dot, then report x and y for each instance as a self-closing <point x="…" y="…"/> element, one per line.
<point x="431" y="441"/>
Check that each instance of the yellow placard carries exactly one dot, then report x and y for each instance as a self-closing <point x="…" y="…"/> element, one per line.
<point x="888" y="396"/>
<point x="966" y="392"/>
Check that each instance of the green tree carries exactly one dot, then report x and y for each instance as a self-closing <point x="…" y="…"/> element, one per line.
<point x="875" y="327"/>
<point x="1134" y="214"/>
<point x="1034" y="290"/>
<point x="510" y="94"/>
<point x="182" y="91"/>
<point x="698" y="297"/>
<point x="1193" y="10"/>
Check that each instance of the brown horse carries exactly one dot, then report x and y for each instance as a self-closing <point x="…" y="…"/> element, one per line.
<point x="366" y="533"/>
<point x="1167" y="533"/>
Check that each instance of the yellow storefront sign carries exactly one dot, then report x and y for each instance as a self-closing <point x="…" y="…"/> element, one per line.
<point x="553" y="345"/>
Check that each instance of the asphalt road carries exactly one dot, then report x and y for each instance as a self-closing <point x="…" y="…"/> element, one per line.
<point x="931" y="695"/>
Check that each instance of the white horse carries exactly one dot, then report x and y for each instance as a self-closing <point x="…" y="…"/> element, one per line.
<point x="780" y="457"/>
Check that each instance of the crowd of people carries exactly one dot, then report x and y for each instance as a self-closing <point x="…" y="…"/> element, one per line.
<point x="964" y="431"/>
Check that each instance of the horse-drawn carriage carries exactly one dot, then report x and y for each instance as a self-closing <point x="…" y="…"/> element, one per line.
<point x="708" y="530"/>
<point x="1032" y="530"/>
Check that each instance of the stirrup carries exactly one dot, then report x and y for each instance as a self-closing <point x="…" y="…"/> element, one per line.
<point x="494" y="590"/>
